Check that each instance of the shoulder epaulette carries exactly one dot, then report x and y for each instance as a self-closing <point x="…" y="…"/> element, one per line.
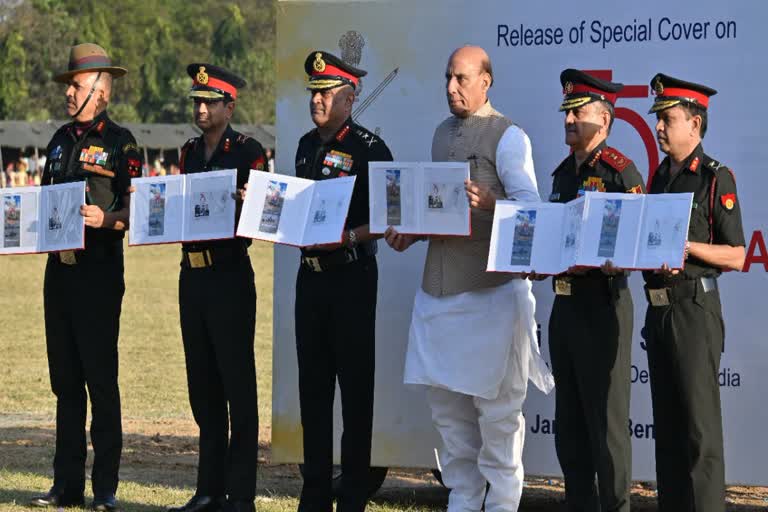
<point x="614" y="158"/>
<point x="715" y="166"/>
<point x="366" y="136"/>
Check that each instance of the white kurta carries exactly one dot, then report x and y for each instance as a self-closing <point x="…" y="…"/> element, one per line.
<point x="464" y="342"/>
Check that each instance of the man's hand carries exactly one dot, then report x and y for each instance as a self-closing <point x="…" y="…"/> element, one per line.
<point x="479" y="195"/>
<point x="239" y="194"/>
<point x="397" y="241"/>
<point x="609" y="270"/>
<point x="533" y="276"/>
<point x="666" y="271"/>
<point x="94" y="216"/>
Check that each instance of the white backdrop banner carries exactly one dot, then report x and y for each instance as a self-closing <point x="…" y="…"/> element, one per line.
<point x="405" y="45"/>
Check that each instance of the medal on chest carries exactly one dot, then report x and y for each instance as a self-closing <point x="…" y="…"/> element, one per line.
<point x="94" y="155"/>
<point x="338" y="160"/>
<point x="591" y="184"/>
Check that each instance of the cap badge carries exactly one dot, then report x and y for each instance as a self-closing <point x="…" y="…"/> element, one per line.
<point x="568" y="88"/>
<point x="319" y="63"/>
<point x="658" y="87"/>
<point x="202" y="76"/>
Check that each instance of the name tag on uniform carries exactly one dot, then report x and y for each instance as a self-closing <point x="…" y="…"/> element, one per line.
<point x="562" y="287"/>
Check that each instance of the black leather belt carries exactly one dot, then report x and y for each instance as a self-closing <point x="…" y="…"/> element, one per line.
<point x="204" y="258"/>
<point x="585" y="285"/>
<point x="339" y="257"/>
<point x="93" y="254"/>
<point x="683" y="289"/>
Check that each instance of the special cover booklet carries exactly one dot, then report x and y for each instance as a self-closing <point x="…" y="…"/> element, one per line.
<point x="633" y="231"/>
<point x="183" y="208"/>
<point x="422" y="198"/>
<point x="295" y="211"/>
<point x="42" y="219"/>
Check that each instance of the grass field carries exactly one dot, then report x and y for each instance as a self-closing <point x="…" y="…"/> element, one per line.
<point x="160" y="444"/>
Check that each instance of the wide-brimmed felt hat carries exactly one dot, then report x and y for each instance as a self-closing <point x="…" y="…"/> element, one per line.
<point x="87" y="57"/>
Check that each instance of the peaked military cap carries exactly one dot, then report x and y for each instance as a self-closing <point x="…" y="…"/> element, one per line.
<point x="213" y="82"/>
<point x="673" y="91"/>
<point x="581" y="88"/>
<point x="326" y="71"/>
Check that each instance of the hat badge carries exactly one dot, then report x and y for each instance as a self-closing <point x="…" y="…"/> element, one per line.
<point x="319" y="64"/>
<point x="202" y="76"/>
<point x="658" y="87"/>
<point x="568" y="89"/>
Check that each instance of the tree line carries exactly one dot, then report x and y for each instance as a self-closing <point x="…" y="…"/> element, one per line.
<point x="153" y="39"/>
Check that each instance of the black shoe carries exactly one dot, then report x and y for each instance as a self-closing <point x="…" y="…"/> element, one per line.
<point x="55" y="498"/>
<point x="104" y="503"/>
<point x="201" y="504"/>
<point x="239" y="506"/>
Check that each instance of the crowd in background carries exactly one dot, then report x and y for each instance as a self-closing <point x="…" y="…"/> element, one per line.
<point x="26" y="171"/>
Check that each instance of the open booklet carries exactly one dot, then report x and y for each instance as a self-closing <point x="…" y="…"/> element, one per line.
<point x="42" y="219"/>
<point x="183" y="208"/>
<point x="633" y="231"/>
<point x="420" y="198"/>
<point x="295" y="211"/>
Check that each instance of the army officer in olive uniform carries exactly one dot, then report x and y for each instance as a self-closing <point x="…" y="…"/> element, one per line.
<point x="83" y="289"/>
<point x="336" y="295"/>
<point x="684" y="322"/>
<point x="217" y="306"/>
<point x="590" y="329"/>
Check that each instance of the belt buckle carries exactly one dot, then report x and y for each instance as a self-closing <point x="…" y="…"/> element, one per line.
<point x="314" y="263"/>
<point x="67" y="257"/>
<point x="563" y="287"/>
<point x="659" y="297"/>
<point x="197" y="259"/>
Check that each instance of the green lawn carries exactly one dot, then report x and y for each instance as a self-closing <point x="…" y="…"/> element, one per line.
<point x="158" y="466"/>
<point x="152" y="378"/>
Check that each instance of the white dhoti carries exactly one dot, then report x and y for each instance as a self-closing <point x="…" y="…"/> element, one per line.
<point x="476" y="352"/>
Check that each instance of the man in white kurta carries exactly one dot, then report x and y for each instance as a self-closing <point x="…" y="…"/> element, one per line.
<point x="473" y="335"/>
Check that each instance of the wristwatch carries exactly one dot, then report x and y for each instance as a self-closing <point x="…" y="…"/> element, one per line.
<point x="351" y="239"/>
